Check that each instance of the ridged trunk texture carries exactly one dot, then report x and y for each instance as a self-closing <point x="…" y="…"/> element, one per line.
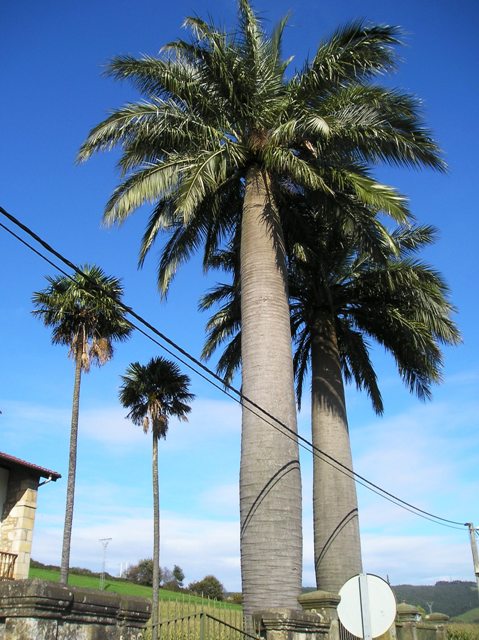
<point x="155" y="600"/>
<point x="337" y="548"/>
<point x="72" y="464"/>
<point x="270" y="483"/>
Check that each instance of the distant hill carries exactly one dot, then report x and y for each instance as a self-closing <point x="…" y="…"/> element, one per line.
<point x="453" y="598"/>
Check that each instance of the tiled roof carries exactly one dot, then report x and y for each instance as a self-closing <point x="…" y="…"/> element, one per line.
<point x="10" y="462"/>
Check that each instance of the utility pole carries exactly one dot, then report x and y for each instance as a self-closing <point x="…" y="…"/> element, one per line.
<point x="475" y="555"/>
<point x="104" y="542"/>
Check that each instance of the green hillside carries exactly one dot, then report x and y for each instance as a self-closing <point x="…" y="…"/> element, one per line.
<point x="471" y="616"/>
<point x="93" y="582"/>
<point x="453" y="598"/>
<point x="123" y="587"/>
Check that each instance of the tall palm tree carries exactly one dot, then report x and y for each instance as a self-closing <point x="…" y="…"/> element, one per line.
<point x="343" y="295"/>
<point x="85" y="314"/>
<point x="349" y="284"/>
<point x="153" y="393"/>
<point x="219" y="125"/>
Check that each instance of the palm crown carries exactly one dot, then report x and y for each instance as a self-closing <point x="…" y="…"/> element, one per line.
<point x="84" y="310"/>
<point x="391" y="297"/>
<point x="154" y="392"/>
<point x="219" y="103"/>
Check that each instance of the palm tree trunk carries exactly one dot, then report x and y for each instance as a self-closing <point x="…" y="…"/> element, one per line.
<point x="156" y="540"/>
<point x="72" y="463"/>
<point x="337" y="550"/>
<point x="270" y="483"/>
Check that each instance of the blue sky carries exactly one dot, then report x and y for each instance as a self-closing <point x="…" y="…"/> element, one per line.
<point x="53" y="92"/>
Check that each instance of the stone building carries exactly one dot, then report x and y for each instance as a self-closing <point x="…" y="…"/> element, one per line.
<point x="19" y="482"/>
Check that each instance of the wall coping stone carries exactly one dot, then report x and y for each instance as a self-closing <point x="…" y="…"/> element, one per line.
<point x="289" y="620"/>
<point x="42" y="599"/>
<point x="319" y="600"/>
<point x="437" y="617"/>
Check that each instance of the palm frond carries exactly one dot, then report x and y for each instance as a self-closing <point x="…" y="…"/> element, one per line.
<point x="357" y="365"/>
<point x="148" y="184"/>
<point x="376" y="195"/>
<point x="119" y="128"/>
<point x="185" y="240"/>
<point x="353" y="53"/>
<point x="284" y="161"/>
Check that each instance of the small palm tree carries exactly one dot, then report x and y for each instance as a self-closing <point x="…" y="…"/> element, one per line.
<point x="85" y="314"/>
<point x="153" y="393"/>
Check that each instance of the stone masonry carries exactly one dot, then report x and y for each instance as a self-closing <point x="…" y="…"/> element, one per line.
<point x="16" y="525"/>
<point x="38" y="610"/>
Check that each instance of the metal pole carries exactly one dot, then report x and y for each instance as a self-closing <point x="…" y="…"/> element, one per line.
<point x="365" y="611"/>
<point x="104" y="542"/>
<point x="475" y="555"/>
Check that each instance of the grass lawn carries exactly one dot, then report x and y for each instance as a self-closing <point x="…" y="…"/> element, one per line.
<point x="124" y="587"/>
<point x="92" y="582"/>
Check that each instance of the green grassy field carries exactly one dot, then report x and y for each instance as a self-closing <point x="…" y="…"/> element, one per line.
<point x="92" y="582"/>
<point x="124" y="587"/>
<point x="179" y="612"/>
<point x="471" y="616"/>
<point x="463" y="631"/>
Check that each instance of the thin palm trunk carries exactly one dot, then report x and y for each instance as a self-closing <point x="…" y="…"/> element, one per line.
<point x="72" y="463"/>
<point x="270" y="483"/>
<point x="337" y="550"/>
<point x="156" y="539"/>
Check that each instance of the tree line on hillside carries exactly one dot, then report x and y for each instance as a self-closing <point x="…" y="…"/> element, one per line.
<point x="452" y="598"/>
<point x="172" y="579"/>
<point x="142" y="573"/>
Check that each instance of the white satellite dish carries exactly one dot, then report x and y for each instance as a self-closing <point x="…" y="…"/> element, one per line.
<point x="368" y="607"/>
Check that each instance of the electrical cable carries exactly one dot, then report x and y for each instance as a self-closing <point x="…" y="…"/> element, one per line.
<point x="287" y="430"/>
<point x="225" y="387"/>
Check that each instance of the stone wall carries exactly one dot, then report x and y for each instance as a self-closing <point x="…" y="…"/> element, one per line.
<point x="39" y="610"/>
<point x="410" y="625"/>
<point x="18" y="517"/>
<point x="316" y="620"/>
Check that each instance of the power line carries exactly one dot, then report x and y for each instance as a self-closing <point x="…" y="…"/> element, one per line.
<point x="226" y="388"/>
<point x="241" y="399"/>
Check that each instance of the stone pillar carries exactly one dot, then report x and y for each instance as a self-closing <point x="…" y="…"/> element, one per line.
<point x="439" y="622"/>
<point x="39" y="610"/>
<point x="407" y="618"/>
<point x="317" y="620"/>
<point x="325" y="605"/>
<point x="18" y="518"/>
<point x="290" y="624"/>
